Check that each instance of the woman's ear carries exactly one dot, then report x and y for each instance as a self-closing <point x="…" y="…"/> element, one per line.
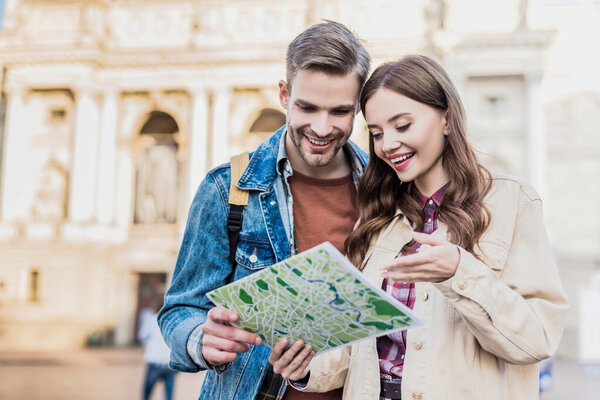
<point x="445" y="123"/>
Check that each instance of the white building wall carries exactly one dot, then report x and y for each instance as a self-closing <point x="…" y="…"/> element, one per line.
<point x="211" y="67"/>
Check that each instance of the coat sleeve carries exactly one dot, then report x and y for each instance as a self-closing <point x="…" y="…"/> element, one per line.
<point x="202" y="265"/>
<point x="328" y="371"/>
<point x="517" y="314"/>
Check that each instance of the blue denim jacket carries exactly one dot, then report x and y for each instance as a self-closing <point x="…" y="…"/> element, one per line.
<point x="202" y="264"/>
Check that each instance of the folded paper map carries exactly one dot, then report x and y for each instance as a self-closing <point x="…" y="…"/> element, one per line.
<point x="317" y="296"/>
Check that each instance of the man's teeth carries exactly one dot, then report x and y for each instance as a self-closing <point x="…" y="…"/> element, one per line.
<point x="318" y="142"/>
<point x="401" y="158"/>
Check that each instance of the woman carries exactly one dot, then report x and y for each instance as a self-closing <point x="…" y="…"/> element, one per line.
<point x="466" y="249"/>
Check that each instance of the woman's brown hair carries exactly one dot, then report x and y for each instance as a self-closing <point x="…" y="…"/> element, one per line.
<point x="380" y="192"/>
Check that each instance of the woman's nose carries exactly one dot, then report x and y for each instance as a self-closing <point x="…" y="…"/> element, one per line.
<point x="390" y="142"/>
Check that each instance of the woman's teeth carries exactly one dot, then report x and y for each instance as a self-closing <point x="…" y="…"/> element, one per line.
<point x="401" y="158"/>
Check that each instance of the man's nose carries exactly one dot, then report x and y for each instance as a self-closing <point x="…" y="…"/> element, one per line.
<point x="322" y="125"/>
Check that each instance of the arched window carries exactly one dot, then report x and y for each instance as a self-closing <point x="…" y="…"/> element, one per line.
<point x="157" y="171"/>
<point x="159" y="123"/>
<point x="268" y="121"/>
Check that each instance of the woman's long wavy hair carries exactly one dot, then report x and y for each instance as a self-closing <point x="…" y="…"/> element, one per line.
<point x="380" y="192"/>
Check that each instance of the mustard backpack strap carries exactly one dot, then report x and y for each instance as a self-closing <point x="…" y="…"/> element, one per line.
<point x="237" y="200"/>
<point x="239" y="162"/>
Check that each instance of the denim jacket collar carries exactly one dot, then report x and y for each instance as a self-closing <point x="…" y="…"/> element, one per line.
<point x="270" y="156"/>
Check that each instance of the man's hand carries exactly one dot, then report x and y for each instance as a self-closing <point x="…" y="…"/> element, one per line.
<point x="221" y="341"/>
<point x="436" y="261"/>
<point x="292" y="363"/>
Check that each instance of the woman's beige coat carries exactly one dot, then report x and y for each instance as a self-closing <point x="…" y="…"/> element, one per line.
<point x="485" y="328"/>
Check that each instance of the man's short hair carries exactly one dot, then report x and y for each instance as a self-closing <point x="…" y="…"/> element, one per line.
<point x="328" y="47"/>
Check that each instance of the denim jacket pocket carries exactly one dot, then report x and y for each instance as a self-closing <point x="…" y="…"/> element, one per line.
<point x="254" y="253"/>
<point x="494" y="253"/>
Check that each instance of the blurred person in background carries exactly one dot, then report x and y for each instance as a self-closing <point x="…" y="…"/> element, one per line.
<point x="156" y="354"/>
<point x="466" y="249"/>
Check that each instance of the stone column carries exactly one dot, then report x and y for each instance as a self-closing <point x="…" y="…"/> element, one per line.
<point x="82" y="195"/>
<point x="220" y="126"/>
<point x="536" y="134"/>
<point x="198" y="143"/>
<point x="14" y="149"/>
<point x="124" y="181"/>
<point x="107" y="157"/>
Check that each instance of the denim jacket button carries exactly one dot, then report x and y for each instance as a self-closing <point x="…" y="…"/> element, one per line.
<point x="273" y="202"/>
<point x="253" y="258"/>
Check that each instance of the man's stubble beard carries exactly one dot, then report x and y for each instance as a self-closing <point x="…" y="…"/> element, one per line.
<point x="316" y="160"/>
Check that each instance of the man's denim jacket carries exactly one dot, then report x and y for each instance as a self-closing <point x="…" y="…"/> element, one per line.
<point x="202" y="265"/>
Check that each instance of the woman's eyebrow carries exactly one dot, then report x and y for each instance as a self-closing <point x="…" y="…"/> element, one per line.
<point x="397" y="116"/>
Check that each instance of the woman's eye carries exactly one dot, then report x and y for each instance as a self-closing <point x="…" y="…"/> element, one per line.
<point x="403" y="128"/>
<point x="376" y="136"/>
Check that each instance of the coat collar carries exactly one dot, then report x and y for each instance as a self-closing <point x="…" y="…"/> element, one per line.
<point x="262" y="168"/>
<point x="395" y="235"/>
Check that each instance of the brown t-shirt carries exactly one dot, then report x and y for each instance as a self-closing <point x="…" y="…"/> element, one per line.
<point x="324" y="210"/>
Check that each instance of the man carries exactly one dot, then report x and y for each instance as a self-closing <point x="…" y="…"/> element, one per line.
<point x="156" y="354"/>
<point x="301" y="185"/>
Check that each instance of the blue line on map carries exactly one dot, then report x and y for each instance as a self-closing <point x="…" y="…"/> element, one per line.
<point x="336" y="298"/>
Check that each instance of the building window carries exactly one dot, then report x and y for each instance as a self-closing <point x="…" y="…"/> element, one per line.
<point x="157" y="171"/>
<point x="34" y="286"/>
<point x="58" y="115"/>
<point x="269" y="120"/>
<point x="496" y="106"/>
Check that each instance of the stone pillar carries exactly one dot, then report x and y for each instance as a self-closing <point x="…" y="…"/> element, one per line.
<point x="107" y="155"/>
<point x="82" y="195"/>
<point x="14" y="206"/>
<point x="536" y="134"/>
<point x="198" y="142"/>
<point x="220" y="126"/>
<point x="589" y="321"/>
<point x="11" y="17"/>
<point x="124" y="187"/>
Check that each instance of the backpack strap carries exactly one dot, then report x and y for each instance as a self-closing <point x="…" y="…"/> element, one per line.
<point x="237" y="200"/>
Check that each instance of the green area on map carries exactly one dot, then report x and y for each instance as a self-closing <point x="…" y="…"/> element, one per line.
<point x="316" y="296"/>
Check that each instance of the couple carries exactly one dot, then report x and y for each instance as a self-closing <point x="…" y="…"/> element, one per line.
<point x="485" y="280"/>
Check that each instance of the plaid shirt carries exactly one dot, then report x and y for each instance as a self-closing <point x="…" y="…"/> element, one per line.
<point x="391" y="348"/>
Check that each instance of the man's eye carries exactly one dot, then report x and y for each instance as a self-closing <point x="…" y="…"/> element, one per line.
<point x="341" y="112"/>
<point x="307" y="109"/>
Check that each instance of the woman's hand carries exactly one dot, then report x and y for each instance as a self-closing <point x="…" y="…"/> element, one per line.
<point x="291" y="363"/>
<point x="436" y="261"/>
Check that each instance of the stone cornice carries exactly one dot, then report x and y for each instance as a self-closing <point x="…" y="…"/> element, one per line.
<point x="142" y="58"/>
<point x="509" y="40"/>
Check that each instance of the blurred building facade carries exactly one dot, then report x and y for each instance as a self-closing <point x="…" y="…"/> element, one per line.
<point x="113" y="111"/>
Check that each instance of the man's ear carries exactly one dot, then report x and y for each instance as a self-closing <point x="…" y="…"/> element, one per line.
<point x="284" y="94"/>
